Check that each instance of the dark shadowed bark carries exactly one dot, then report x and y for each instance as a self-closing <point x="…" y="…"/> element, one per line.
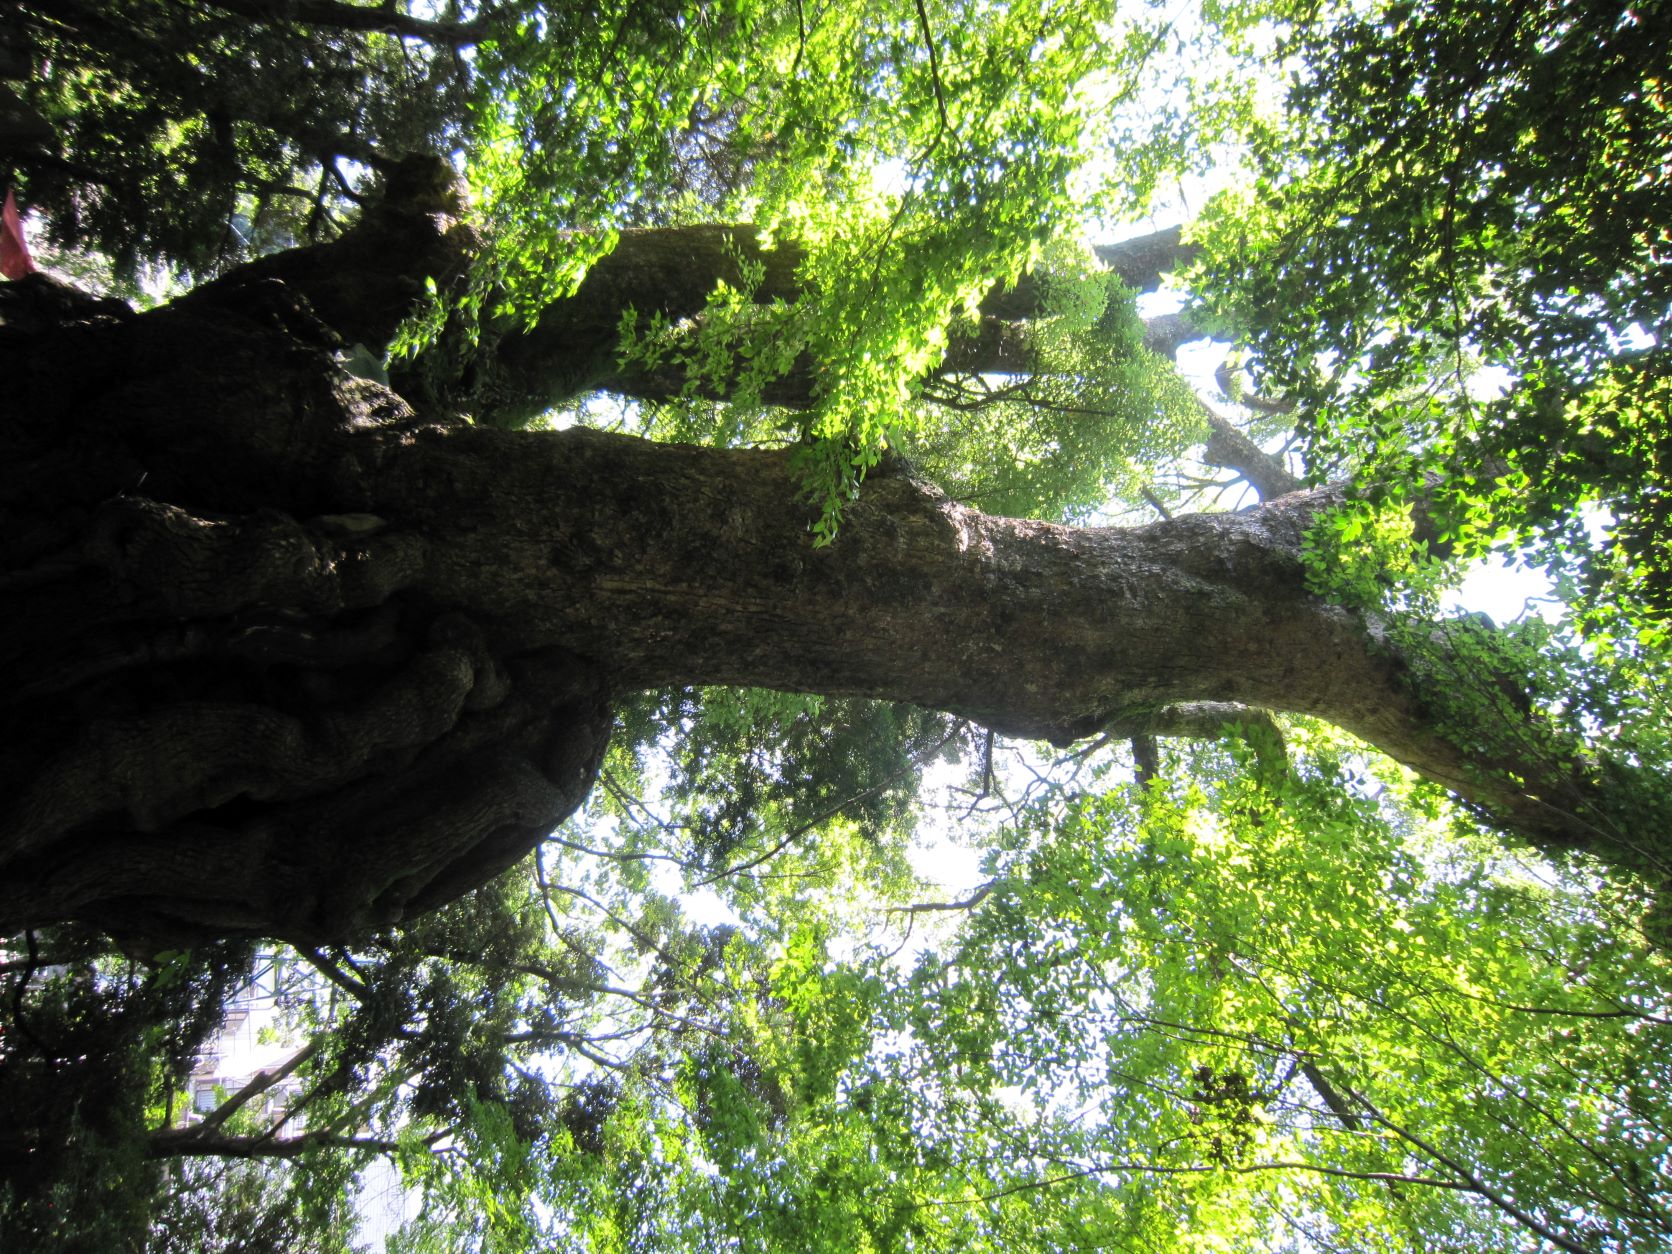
<point x="1144" y="261"/>
<point x="231" y="703"/>
<point x="280" y="655"/>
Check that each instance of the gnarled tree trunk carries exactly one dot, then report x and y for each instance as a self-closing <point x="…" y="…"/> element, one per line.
<point x="283" y="656"/>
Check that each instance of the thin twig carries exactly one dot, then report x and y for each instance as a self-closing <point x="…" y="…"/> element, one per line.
<point x="966" y="903"/>
<point x="934" y="64"/>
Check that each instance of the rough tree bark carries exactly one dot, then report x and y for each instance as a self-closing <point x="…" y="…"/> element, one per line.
<point x="281" y="655"/>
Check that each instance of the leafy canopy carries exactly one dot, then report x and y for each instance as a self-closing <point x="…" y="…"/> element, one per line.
<point x="1453" y="260"/>
<point x="1259" y="993"/>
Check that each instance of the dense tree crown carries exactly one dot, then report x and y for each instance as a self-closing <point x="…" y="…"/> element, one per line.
<point x="562" y="522"/>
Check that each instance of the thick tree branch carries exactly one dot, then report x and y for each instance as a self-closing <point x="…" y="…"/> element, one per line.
<point x="353" y="985"/>
<point x="1146" y="760"/>
<point x="672" y="271"/>
<point x="179" y="1143"/>
<point x="1143" y="262"/>
<point x="1231" y="449"/>
<point x="385" y="18"/>
<point x="364" y="284"/>
<point x="1338" y="1105"/>
<point x="1025" y="627"/>
<point x="260" y="1083"/>
<point x="1205" y="720"/>
<point x="1166" y="333"/>
<point x="1199" y="720"/>
<point x="1226" y="382"/>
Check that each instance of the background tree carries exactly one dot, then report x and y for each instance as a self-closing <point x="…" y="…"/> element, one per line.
<point x="1482" y="290"/>
<point x="293" y="652"/>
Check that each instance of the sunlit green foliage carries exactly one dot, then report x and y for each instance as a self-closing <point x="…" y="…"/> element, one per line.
<point x="1278" y="1010"/>
<point x="1084" y="418"/>
<point x="1454" y="260"/>
<point x="1566" y="698"/>
<point x="1449" y="265"/>
<point x="1079" y="411"/>
<point x="1213" y="977"/>
<point x="1247" y="1005"/>
<point x="756" y="770"/>
<point x="918" y="154"/>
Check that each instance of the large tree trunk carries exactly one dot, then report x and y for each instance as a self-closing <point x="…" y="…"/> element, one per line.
<point x="281" y="656"/>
